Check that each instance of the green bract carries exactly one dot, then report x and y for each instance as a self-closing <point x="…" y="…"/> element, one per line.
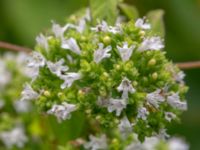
<point x="117" y="76"/>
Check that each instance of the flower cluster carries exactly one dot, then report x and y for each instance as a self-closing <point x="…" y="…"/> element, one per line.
<point x="118" y="76"/>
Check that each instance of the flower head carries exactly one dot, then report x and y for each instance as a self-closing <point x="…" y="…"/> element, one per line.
<point x="151" y="43"/>
<point x="140" y="23"/>
<point x="97" y="143"/>
<point x="177" y="144"/>
<point x="63" y="111"/>
<point x="71" y="45"/>
<point x="125" y="87"/>
<point x="125" y="51"/>
<point x="69" y="78"/>
<point x="102" y="53"/>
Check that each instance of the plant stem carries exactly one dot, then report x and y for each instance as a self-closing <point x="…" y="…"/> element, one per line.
<point x="189" y="65"/>
<point x="14" y="47"/>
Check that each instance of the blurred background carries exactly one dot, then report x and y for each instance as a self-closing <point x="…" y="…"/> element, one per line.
<point x="22" y="20"/>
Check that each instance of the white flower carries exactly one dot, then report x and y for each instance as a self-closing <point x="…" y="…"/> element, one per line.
<point x="102" y="27"/>
<point x="15" y="137"/>
<point x="63" y="111"/>
<point x="5" y="75"/>
<point x="151" y="43"/>
<point x="102" y="53"/>
<point x="71" y="45"/>
<point x="179" y="77"/>
<point x="35" y="61"/>
<point x="28" y="93"/>
<point x="115" y="29"/>
<point x="2" y="103"/>
<point x="57" y="68"/>
<point x="125" y="127"/>
<point x="125" y="87"/>
<point x="69" y="78"/>
<point x="42" y="41"/>
<point x="97" y="143"/>
<point x="142" y="113"/>
<point x="117" y="105"/>
<point x="177" y="144"/>
<point x="59" y="31"/>
<point x="150" y="143"/>
<point x="81" y="26"/>
<point x="175" y="102"/>
<point x="125" y="51"/>
<point x="22" y="106"/>
<point x="169" y="116"/>
<point x="155" y="98"/>
<point x="140" y="23"/>
<point x="163" y="134"/>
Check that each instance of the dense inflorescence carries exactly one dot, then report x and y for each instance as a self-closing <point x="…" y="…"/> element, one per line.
<point x="118" y="76"/>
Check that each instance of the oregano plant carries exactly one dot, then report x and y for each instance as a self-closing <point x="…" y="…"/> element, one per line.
<point x="109" y="66"/>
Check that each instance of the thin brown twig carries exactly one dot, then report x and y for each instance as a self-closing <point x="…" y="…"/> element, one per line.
<point x="9" y="46"/>
<point x="189" y="65"/>
<point x="14" y="47"/>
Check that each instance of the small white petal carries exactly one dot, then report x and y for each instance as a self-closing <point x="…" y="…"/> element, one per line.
<point x="125" y="51"/>
<point x="152" y="43"/>
<point x="142" y="113"/>
<point x="28" y="93"/>
<point x="175" y="102"/>
<point x="169" y="116"/>
<point x="155" y="98"/>
<point x="69" y="78"/>
<point x="126" y="87"/>
<point x="71" y="45"/>
<point x="97" y="143"/>
<point x="63" y="111"/>
<point x="102" y="53"/>
<point x="140" y="23"/>
<point x="42" y="41"/>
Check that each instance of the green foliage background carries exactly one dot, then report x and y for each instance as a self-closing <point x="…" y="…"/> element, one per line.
<point x="22" y="20"/>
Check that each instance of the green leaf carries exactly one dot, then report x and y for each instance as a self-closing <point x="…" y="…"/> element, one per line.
<point x="129" y="11"/>
<point x="104" y="10"/>
<point x="155" y="17"/>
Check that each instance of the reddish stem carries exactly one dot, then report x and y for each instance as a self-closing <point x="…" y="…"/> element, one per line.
<point x="13" y="47"/>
